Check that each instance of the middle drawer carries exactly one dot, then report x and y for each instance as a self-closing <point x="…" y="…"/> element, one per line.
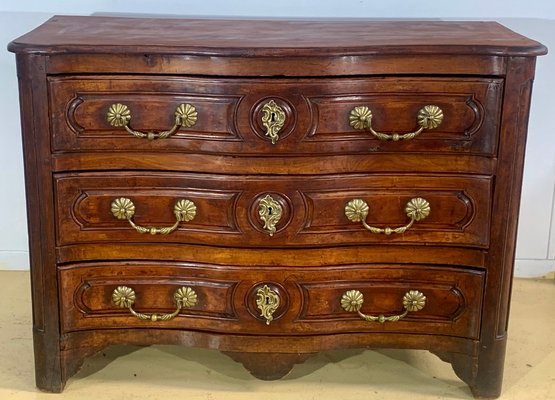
<point x="272" y="211"/>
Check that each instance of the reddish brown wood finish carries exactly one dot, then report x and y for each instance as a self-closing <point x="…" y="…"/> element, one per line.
<point x="268" y="366"/>
<point x="227" y="208"/>
<point x="310" y="305"/>
<point x="294" y="65"/>
<point x="317" y="114"/>
<point x="258" y="38"/>
<point x="470" y="169"/>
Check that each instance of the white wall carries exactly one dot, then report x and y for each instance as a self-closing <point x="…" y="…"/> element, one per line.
<point x="533" y="18"/>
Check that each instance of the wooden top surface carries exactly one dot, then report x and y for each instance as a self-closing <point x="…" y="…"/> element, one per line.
<point x="95" y="34"/>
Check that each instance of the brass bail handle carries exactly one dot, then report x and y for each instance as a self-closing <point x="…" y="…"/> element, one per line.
<point x="123" y="208"/>
<point x="413" y="301"/>
<point x="416" y="209"/>
<point x="124" y="297"/>
<point x="119" y="115"/>
<point x="428" y="117"/>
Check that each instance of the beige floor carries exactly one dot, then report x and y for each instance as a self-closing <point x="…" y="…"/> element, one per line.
<point x="171" y="372"/>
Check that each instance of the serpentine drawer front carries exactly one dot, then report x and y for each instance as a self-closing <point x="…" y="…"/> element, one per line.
<point x="273" y="189"/>
<point x="317" y="116"/>
<point x="140" y="295"/>
<point x="271" y="211"/>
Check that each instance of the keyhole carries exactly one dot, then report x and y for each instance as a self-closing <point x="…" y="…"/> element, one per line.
<point x="267" y="300"/>
<point x="269" y="210"/>
<point x="273" y="117"/>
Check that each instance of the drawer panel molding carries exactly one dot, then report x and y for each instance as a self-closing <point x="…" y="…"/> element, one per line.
<point x="111" y="300"/>
<point x="274" y="211"/>
<point x="111" y="115"/>
<point x="280" y="117"/>
<point x="397" y="304"/>
<point x="401" y="298"/>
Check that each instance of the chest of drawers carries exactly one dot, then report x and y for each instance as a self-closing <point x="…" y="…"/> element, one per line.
<point x="273" y="189"/>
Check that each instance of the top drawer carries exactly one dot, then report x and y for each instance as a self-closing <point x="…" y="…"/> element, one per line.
<point x="274" y="116"/>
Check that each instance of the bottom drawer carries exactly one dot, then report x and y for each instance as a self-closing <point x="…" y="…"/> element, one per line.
<point x="273" y="300"/>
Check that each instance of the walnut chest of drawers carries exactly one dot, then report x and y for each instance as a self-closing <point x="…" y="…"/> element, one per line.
<point x="273" y="189"/>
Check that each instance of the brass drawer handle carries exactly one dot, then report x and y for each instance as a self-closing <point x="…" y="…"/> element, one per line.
<point x="273" y="119"/>
<point x="184" y="211"/>
<point x="413" y="301"/>
<point x="429" y="117"/>
<point x="416" y="209"/>
<point x="119" y="115"/>
<point x="124" y="297"/>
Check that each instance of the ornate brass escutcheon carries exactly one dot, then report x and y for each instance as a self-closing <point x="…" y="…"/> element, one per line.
<point x="273" y="119"/>
<point x="267" y="301"/>
<point x="270" y="212"/>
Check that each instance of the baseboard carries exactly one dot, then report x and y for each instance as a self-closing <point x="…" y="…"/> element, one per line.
<point x="533" y="268"/>
<point x="14" y="260"/>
